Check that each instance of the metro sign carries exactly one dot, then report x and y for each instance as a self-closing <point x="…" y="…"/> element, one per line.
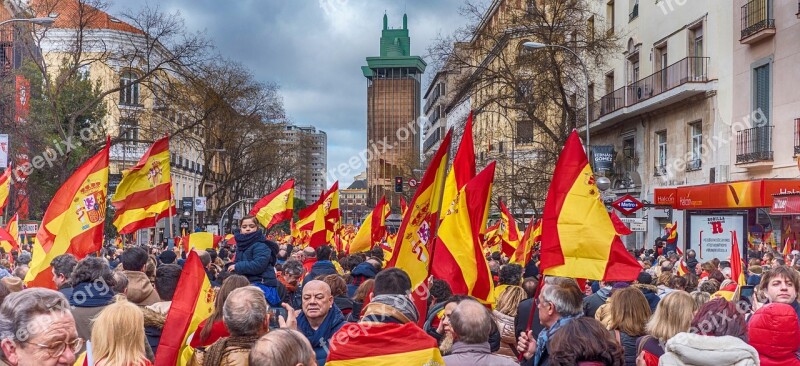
<point x="627" y="204"/>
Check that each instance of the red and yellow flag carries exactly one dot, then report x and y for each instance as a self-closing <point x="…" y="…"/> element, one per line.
<point x="385" y="344"/>
<point x="578" y="237"/>
<point x="619" y="226"/>
<point x="788" y="246"/>
<point x="672" y="232"/>
<point x="457" y="256"/>
<point x="5" y="187"/>
<point x="9" y="240"/>
<point x="144" y="194"/>
<point x="403" y="206"/>
<point x="73" y="223"/>
<point x="737" y="272"/>
<point x="187" y="311"/>
<point x="276" y="206"/>
<point x="326" y="218"/>
<point x="372" y="230"/>
<point x="524" y="251"/>
<point x="509" y="231"/>
<point x="410" y="251"/>
<point x="200" y="241"/>
<point x="462" y="171"/>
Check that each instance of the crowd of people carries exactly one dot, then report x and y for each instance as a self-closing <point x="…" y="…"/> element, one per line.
<point x="283" y="305"/>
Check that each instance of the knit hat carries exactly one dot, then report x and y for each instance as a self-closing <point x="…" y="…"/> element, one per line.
<point x="13" y="284"/>
<point x="167" y="256"/>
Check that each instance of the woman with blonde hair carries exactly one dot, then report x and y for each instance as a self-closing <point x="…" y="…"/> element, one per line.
<point x="504" y="314"/>
<point x="673" y="315"/>
<point x="629" y="312"/>
<point x="118" y="335"/>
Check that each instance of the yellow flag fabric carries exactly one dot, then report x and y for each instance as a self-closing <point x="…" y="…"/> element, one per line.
<point x="12" y="228"/>
<point x="5" y="187"/>
<point x="276" y="206"/>
<point x="372" y="229"/>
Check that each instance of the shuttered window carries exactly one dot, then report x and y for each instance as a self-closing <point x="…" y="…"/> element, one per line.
<point x="761" y="89"/>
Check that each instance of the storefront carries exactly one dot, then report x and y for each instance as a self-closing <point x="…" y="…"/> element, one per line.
<point x="709" y="214"/>
<point x="786" y="206"/>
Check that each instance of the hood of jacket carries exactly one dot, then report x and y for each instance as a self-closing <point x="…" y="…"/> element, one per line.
<point x="154" y="318"/>
<point x="695" y="349"/>
<point x="774" y="332"/>
<point x="365" y="269"/>
<point x="139" y="288"/>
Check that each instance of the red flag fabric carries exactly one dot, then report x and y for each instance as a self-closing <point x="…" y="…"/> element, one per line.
<point x="619" y="226"/>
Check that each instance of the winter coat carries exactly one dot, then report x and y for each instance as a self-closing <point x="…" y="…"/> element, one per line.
<point x="629" y="346"/>
<point x="699" y="350"/>
<point x="140" y="291"/>
<point x="308" y="263"/>
<point x="508" y="340"/>
<point x="153" y="325"/>
<point x="774" y="332"/>
<point x="525" y="311"/>
<point x="345" y="304"/>
<point x="364" y="269"/>
<point x="86" y="303"/>
<point x="255" y="261"/>
<point x="232" y="356"/>
<point x="463" y="354"/>
<point x="318" y="269"/>
<point x="650" y="293"/>
<point x="321" y="337"/>
<point x="603" y="314"/>
<point x="593" y="302"/>
<point x="218" y="330"/>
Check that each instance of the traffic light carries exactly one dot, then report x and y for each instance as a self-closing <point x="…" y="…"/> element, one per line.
<point x="398" y="184"/>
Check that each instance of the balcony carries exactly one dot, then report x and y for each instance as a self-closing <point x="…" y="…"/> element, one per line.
<point x="674" y="83"/>
<point x="757" y="21"/>
<point x="797" y="136"/>
<point x="754" y="145"/>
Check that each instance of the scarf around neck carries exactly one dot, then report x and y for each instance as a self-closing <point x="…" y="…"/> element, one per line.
<point x="330" y="325"/>
<point x="245" y="240"/>
<point x="545" y="334"/>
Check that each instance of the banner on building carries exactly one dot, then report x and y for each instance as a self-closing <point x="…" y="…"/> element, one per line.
<point x="710" y="233"/>
<point x="603" y="158"/>
<point x="200" y="204"/>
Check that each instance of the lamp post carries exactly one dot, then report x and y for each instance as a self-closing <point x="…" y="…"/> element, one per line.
<point x="225" y="212"/>
<point x="537" y="45"/>
<point x="45" y="21"/>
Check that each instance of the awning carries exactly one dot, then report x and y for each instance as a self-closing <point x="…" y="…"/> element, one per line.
<point x="731" y="195"/>
<point x="785" y="204"/>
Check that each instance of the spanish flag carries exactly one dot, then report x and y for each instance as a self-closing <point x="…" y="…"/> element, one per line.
<point x="672" y="232"/>
<point x="372" y="230"/>
<point x="306" y="217"/>
<point x="403" y="206"/>
<point x="737" y="273"/>
<point x="276" y="206"/>
<point x="382" y="344"/>
<point x="578" y="237"/>
<point x="200" y="241"/>
<point x="9" y="239"/>
<point x="144" y="194"/>
<point x="410" y="251"/>
<point x="73" y="223"/>
<point x="462" y="171"/>
<point x="187" y="311"/>
<point x="533" y="233"/>
<point x="457" y="256"/>
<point x="509" y="230"/>
<point x="326" y="219"/>
<point x="788" y="246"/>
<point x="5" y="187"/>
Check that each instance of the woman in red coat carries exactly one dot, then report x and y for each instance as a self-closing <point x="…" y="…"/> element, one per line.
<point x="774" y="332"/>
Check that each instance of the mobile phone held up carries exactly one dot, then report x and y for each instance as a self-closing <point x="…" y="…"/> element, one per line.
<point x="747" y="292"/>
<point x="274" y="313"/>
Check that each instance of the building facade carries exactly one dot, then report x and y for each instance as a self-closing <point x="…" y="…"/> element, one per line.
<point x="393" y="109"/>
<point x="353" y="201"/>
<point x="309" y="147"/>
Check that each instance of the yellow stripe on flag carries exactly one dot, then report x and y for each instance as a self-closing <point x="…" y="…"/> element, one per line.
<point x="420" y="357"/>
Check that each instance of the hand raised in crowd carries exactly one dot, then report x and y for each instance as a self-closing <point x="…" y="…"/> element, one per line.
<point x="231" y="268"/>
<point x="526" y="344"/>
<point x="291" y="318"/>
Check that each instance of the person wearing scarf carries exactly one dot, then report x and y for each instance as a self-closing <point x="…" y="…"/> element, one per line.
<point x="92" y="291"/>
<point x="256" y="258"/>
<point x="320" y="318"/>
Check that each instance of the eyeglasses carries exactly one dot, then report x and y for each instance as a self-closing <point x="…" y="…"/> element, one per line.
<point x="56" y="349"/>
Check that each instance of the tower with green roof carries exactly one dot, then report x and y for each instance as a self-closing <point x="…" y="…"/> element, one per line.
<point x="393" y="108"/>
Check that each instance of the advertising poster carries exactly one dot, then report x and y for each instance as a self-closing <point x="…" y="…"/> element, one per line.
<point x="710" y="233"/>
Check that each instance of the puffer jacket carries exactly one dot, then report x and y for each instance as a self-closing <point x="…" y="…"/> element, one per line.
<point x="140" y="291"/>
<point x="629" y="346"/>
<point x="685" y="349"/>
<point x="774" y="332"/>
<point x="508" y="342"/>
<point x="255" y="261"/>
<point x="650" y="293"/>
<point x="153" y="325"/>
<point x="318" y="269"/>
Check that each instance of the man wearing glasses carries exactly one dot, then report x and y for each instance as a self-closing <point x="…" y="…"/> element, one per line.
<point x="37" y="328"/>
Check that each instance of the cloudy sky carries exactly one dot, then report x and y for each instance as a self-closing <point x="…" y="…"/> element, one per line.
<point x="314" y="50"/>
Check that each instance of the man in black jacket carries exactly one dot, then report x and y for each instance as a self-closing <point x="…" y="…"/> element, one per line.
<point x="323" y="266"/>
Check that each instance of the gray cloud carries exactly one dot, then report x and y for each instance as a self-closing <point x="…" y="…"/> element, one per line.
<point x="314" y="49"/>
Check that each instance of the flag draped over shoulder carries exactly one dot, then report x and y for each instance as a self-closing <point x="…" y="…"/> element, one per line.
<point x="378" y="344"/>
<point x="144" y="194"/>
<point x="5" y="187"/>
<point x="276" y="206"/>
<point x="372" y="230"/>
<point x="200" y="241"/>
<point x="578" y="238"/>
<point x="73" y="222"/>
<point x="457" y="256"/>
<point x="463" y="168"/>
<point x="737" y="273"/>
<point x="195" y="304"/>
<point x="9" y="238"/>
<point x="410" y="251"/>
<point x="510" y="231"/>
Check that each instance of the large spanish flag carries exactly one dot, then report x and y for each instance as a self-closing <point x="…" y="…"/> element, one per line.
<point x="200" y="241"/>
<point x="509" y="230"/>
<point x="73" y="223"/>
<point x="276" y="206"/>
<point x="462" y="171"/>
<point x="372" y="230"/>
<point x="458" y="256"/>
<point x="144" y="194"/>
<point x="382" y="344"/>
<point x="187" y="311"/>
<point x="578" y="237"/>
<point x="5" y="187"/>
<point x="10" y="238"/>
<point x="410" y="252"/>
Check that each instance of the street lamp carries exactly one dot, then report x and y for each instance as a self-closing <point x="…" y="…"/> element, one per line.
<point x="537" y="45"/>
<point x="225" y="212"/>
<point x="198" y="186"/>
<point x="45" y="21"/>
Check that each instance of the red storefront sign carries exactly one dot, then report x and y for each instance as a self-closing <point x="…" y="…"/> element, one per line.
<point x="788" y="204"/>
<point x="731" y="195"/>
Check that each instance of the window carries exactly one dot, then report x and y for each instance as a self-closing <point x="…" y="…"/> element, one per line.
<point x="129" y="129"/>
<point x="610" y="17"/>
<point x="129" y="89"/>
<point x="634" y="10"/>
<point x="661" y="154"/>
<point x="696" y="51"/>
<point x="762" y="90"/>
<point x="590" y="29"/>
<point x="696" y="143"/>
<point x="524" y="132"/>
<point x="610" y="82"/>
<point x="661" y="63"/>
